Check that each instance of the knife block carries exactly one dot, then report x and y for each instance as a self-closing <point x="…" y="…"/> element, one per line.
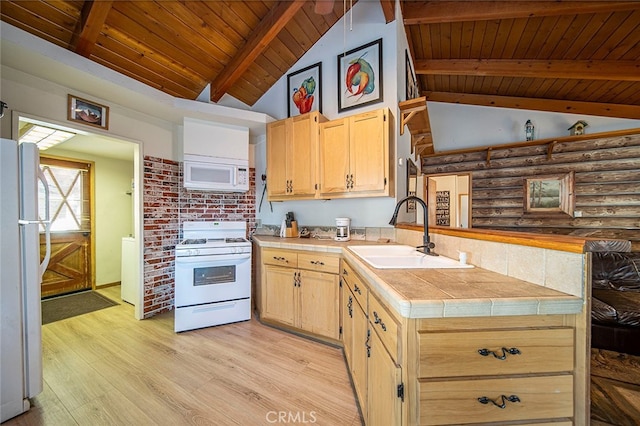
<point x="293" y="231"/>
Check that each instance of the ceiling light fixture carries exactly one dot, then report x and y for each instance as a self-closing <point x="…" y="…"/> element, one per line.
<point x="45" y="137"/>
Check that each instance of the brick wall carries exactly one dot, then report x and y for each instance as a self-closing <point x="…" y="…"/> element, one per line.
<point x="166" y="204"/>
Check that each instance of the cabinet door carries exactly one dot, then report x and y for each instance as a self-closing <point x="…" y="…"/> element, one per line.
<point x="369" y="151"/>
<point x="279" y="294"/>
<point x="360" y="356"/>
<point x="319" y="306"/>
<point x="277" y="159"/>
<point x="334" y="157"/>
<point x="348" y="303"/>
<point x="385" y="407"/>
<point x="303" y="148"/>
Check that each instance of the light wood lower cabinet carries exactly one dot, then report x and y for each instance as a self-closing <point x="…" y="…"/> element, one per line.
<point x="446" y="371"/>
<point x="511" y="370"/>
<point x="301" y="290"/>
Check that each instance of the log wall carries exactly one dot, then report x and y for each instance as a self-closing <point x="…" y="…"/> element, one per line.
<point x="607" y="184"/>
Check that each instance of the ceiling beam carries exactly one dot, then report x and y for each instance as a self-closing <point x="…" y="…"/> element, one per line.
<point x="436" y="12"/>
<point x="389" y="10"/>
<point x="257" y="42"/>
<point x="92" y="19"/>
<point x="588" y="70"/>
<point x="537" y="104"/>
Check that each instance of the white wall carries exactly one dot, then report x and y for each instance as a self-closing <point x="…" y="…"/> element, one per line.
<point x="113" y="210"/>
<point x="368" y="25"/>
<point x="38" y="97"/>
<point x="463" y="126"/>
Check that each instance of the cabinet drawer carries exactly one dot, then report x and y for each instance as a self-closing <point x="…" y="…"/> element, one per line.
<point x="280" y="258"/>
<point x="496" y="352"/>
<point x="458" y="402"/>
<point x="319" y="262"/>
<point x="385" y="326"/>
<point x="356" y="285"/>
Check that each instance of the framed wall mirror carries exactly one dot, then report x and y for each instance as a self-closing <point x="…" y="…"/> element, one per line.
<point x="412" y="184"/>
<point x="448" y="197"/>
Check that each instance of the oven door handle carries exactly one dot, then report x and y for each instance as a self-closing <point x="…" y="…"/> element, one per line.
<point x="219" y="258"/>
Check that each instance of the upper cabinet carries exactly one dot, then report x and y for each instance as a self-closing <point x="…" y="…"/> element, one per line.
<point x="309" y="157"/>
<point x="292" y="153"/>
<point x="355" y="156"/>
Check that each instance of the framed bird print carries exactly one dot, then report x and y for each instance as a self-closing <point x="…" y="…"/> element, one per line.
<point x="360" y="76"/>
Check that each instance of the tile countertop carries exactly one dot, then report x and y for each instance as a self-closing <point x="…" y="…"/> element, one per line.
<point x="441" y="293"/>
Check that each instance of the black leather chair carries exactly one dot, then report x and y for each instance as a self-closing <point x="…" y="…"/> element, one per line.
<point x="615" y="302"/>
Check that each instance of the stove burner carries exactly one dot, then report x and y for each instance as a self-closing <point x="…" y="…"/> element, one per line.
<point x="234" y="240"/>
<point x="195" y="241"/>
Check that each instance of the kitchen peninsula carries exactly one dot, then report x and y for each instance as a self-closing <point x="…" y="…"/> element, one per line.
<point x="436" y="346"/>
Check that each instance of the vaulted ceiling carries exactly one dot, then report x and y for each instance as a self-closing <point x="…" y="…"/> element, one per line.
<point x="569" y="56"/>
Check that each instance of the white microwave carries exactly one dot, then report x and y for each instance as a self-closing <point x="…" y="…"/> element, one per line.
<point x="215" y="174"/>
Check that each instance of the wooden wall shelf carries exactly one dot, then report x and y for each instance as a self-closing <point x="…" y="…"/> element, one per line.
<point x="414" y="114"/>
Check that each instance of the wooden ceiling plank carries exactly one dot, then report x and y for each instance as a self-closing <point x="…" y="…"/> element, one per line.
<point x="263" y="34"/>
<point x="629" y="42"/>
<point x="57" y="28"/>
<point x="604" y="32"/>
<point x="133" y="70"/>
<point x="591" y="70"/>
<point x="537" y="104"/>
<point x="435" y="12"/>
<point x="621" y="31"/>
<point x="93" y="16"/>
<point x="197" y="18"/>
<point x="141" y="39"/>
<point x="167" y="27"/>
<point x="160" y="66"/>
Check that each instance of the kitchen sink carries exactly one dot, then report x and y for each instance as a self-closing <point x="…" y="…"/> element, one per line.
<point x="403" y="257"/>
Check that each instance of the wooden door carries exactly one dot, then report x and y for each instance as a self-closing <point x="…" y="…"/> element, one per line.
<point x="334" y="157"/>
<point x="385" y="406"/>
<point x="278" y="294"/>
<point x="302" y="159"/>
<point x="277" y="159"/>
<point x="369" y="151"/>
<point x="360" y="356"/>
<point x="319" y="308"/>
<point x="70" y="266"/>
<point x="348" y="304"/>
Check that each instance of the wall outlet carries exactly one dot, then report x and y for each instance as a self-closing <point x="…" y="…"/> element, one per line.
<point x="577" y="213"/>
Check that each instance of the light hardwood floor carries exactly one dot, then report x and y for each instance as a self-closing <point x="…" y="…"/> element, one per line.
<point x="106" y="368"/>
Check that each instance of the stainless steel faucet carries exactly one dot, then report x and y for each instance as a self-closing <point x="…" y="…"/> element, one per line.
<point x="427" y="245"/>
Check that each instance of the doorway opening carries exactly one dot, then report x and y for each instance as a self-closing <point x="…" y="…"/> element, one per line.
<point x="102" y="210"/>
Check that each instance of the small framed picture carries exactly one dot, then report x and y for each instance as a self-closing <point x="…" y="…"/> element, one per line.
<point x="549" y="195"/>
<point x="87" y="112"/>
<point x="304" y="90"/>
<point x="360" y="76"/>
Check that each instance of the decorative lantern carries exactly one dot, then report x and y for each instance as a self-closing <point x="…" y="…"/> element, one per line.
<point x="528" y="130"/>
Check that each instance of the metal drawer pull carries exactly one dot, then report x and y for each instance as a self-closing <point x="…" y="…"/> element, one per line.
<point x="281" y="259"/>
<point x="379" y="321"/>
<point x="486" y="400"/>
<point x="357" y="289"/>
<point x="505" y="351"/>
<point x="317" y="262"/>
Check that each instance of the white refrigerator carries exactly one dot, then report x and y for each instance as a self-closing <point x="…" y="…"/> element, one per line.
<point x="21" y="275"/>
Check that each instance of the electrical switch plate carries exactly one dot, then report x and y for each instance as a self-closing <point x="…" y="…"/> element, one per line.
<point x="577" y="213"/>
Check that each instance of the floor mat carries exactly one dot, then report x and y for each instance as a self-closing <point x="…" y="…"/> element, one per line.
<point x="72" y="305"/>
